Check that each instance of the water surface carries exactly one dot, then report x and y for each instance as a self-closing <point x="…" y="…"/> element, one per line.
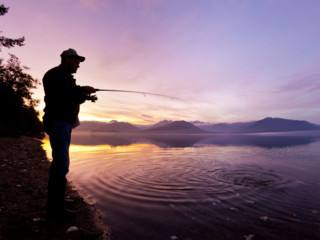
<point x="262" y="186"/>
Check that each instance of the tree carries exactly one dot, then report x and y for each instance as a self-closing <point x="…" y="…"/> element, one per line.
<point x="17" y="107"/>
<point x="9" y="42"/>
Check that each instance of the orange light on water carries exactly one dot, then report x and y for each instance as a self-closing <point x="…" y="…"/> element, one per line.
<point x="110" y="149"/>
<point x="102" y="149"/>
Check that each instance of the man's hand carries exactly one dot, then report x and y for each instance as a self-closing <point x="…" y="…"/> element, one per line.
<point x="92" y="98"/>
<point x="88" y="90"/>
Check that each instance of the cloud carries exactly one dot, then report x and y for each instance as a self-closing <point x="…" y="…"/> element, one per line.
<point x="297" y="97"/>
<point x="147" y="116"/>
<point x="302" y="83"/>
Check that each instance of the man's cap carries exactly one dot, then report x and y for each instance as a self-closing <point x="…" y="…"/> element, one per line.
<point x="72" y="53"/>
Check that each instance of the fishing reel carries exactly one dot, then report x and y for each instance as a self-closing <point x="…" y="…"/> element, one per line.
<point x="92" y="98"/>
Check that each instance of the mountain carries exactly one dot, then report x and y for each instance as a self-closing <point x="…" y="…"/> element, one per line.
<point x="176" y="127"/>
<point x="264" y="125"/>
<point x="199" y="123"/>
<point x="161" y="123"/>
<point x="279" y="125"/>
<point x="226" y="127"/>
<point x="113" y="126"/>
<point x="267" y="124"/>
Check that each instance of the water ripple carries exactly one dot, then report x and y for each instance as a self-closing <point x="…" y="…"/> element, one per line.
<point x="182" y="183"/>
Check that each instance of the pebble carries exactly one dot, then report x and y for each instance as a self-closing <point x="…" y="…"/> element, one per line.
<point x="264" y="218"/>
<point x="68" y="197"/>
<point x="248" y="237"/>
<point x="36" y="219"/>
<point x="314" y="211"/>
<point x="173" y="237"/>
<point x="18" y="185"/>
<point x="72" y="229"/>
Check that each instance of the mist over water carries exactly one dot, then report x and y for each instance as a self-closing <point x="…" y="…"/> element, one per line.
<point x="202" y="187"/>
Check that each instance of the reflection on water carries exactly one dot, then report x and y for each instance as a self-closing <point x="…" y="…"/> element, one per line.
<point x="165" y="140"/>
<point x="215" y="188"/>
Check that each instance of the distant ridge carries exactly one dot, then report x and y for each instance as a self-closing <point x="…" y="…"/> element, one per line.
<point x="279" y="124"/>
<point x="267" y="124"/>
<point x="113" y="126"/>
<point x="226" y="127"/>
<point x="176" y="127"/>
<point x="161" y="123"/>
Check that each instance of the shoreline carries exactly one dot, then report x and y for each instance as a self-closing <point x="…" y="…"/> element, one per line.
<point x="23" y="191"/>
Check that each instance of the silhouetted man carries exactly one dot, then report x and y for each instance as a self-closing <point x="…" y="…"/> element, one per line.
<point x="62" y="98"/>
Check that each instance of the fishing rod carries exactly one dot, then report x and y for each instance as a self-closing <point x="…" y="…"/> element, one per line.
<point x="94" y="98"/>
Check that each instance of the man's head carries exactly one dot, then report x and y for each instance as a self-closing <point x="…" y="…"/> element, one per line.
<point x="71" y="60"/>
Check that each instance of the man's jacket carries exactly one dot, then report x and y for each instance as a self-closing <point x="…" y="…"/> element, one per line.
<point x="62" y="97"/>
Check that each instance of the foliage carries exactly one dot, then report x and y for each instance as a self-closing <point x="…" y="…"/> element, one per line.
<point x="17" y="107"/>
<point x="9" y="42"/>
<point x="3" y="10"/>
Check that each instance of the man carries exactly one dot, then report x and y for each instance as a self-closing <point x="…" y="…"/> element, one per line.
<point x="62" y="98"/>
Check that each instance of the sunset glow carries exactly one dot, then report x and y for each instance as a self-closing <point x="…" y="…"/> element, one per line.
<point x="227" y="60"/>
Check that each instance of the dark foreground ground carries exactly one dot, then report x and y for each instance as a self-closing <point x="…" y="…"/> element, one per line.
<point x="23" y="182"/>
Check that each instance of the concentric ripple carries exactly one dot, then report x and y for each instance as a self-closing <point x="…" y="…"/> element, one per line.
<point x="169" y="182"/>
<point x="249" y="177"/>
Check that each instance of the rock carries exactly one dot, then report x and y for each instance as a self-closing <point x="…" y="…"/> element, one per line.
<point x="248" y="237"/>
<point x="264" y="218"/>
<point x="72" y="229"/>
<point x="173" y="237"/>
<point x="36" y="219"/>
<point x="314" y="211"/>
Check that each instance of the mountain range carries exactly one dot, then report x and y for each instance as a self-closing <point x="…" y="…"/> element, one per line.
<point x="267" y="124"/>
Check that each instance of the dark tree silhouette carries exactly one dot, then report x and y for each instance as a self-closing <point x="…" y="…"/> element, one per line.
<point x="17" y="107"/>
<point x="3" y="9"/>
<point x="9" y="42"/>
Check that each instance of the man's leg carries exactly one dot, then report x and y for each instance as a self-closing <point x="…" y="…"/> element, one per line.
<point x="60" y="136"/>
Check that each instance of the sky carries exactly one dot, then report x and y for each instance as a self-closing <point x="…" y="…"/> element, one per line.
<point x="226" y="60"/>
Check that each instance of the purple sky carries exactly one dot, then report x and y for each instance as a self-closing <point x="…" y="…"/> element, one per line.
<point x="231" y="60"/>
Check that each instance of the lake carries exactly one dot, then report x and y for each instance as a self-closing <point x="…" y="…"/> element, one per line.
<point x="254" y="186"/>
